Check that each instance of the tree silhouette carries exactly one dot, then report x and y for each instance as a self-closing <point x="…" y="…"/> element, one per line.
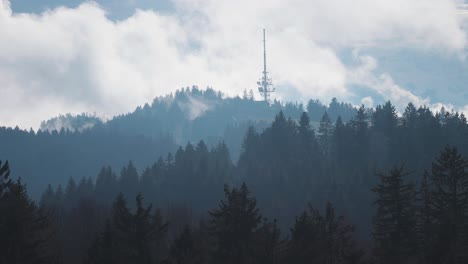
<point x="23" y="226"/>
<point x="449" y="206"/>
<point x="395" y="219"/>
<point x="322" y="239"/>
<point x="325" y="132"/>
<point x="187" y="248"/>
<point x="130" y="237"/>
<point x="233" y="226"/>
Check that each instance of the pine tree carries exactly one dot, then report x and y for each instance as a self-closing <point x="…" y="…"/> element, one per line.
<point x="449" y="206"/>
<point x="410" y="116"/>
<point x="128" y="180"/>
<point x="71" y="194"/>
<point x="245" y="95"/>
<point x="250" y="153"/>
<point x="106" y="186"/>
<point x="385" y="119"/>
<point x="130" y="237"/>
<point x="23" y="227"/>
<point x="48" y="198"/>
<point x="138" y="233"/>
<point x="267" y="242"/>
<point x="394" y="222"/>
<point x="187" y="248"/>
<point x="425" y="224"/>
<point x="251" y="95"/>
<point x="360" y="132"/>
<point x="233" y="226"/>
<point x="325" y="132"/>
<point x="341" y="142"/>
<point x="105" y="248"/>
<point x="306" y="133"/>
<point x="315" y="109"/>
<point x="322" y="239"/>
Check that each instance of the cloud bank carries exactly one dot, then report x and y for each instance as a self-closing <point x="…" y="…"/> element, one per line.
<point x="77" y="59"/>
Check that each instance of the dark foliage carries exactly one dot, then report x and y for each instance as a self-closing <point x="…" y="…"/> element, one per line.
<point x="394" y="224"/>
<point x="77" y="146"/>
<point x="23" y="227"/>
<point x="328" y="155"/>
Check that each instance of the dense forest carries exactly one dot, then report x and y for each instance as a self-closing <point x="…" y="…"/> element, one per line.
<point x="369" y="187"/>
<point x="423" y="223"/>
<point x="77" y="146"/>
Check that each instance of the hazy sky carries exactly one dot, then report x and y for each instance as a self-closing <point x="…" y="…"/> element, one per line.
<point x="60" y="56"/>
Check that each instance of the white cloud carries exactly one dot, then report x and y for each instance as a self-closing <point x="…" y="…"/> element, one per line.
<point x="464" y="110"/>
<point x="367" y="101"/>
<point x="75" y="60"/>
<point x="383" y="84"/>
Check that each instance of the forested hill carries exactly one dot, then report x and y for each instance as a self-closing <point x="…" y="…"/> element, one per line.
<point x="77" y="146"/>
<point x="190" y="115"/>
<point x="400" y="179"/>
<point x="416" y="211"/>
<point x="289" y="163"/>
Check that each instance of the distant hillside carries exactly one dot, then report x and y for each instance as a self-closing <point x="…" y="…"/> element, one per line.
<point x="71" y="122"/>
<point x="77" y="146"/>
<point x="190" y="115"/>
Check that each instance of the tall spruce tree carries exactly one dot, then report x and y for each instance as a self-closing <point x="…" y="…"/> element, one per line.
<point x="325" y="132"/>
<point x="395" y="219"/>
<point x="130" y="237"/>
<point x="425" y="222"/>
<point x="233" y="226"/>
<point x="267" y="243"/>
<point x="449" y="206"/>
<point x="104" y="249"/>
<point x="322" y="239"/>
<point x="23" y="226"/>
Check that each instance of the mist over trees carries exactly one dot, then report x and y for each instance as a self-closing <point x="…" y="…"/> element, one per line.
<point x="371" y="187"/>
<point x="76" y="226"/>
<point x="64" y="143"/>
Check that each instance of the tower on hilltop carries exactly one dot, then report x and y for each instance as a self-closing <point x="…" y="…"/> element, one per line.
<point x="265" y="86"/>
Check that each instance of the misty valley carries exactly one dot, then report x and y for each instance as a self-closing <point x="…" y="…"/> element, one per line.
<point x="350" y="148"/>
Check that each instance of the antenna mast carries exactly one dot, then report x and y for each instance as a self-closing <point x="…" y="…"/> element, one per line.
<point x="264" y="84"/>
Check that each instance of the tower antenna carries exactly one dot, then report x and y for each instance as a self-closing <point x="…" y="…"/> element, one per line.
<point x="265" y="86"/>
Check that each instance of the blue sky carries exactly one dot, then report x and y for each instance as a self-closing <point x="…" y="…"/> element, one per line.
<point x="109" y="56"/>
<point x="120" y="9"/>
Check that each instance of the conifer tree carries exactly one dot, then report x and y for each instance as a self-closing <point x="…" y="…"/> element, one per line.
<point x="250" y="153"/>
<point x="130" y="237"/>
<point x="71" y="195"/>
<point x="360" y="132"/>
<point x="325" y="132"/>
<point x="322" y="239"/>
<point x="307" y="136"/>
<point x="48" y="198"/>
<point x="410" y="116"/>
<point x="449" y="206"/>
<point x="340" y="141"/>
<point x="106" y="186"/>
<point x="104" y="249"/>
<point x="128" y="180"/>
<point x="233" y="226"/>
<point x="267" y="243"/>
<point x="187" y="248"/>
<point x="425" y="223"/>
<point x="395" y="219"/>
<point x="23" y="227"/>
<point x="385" y="119"/>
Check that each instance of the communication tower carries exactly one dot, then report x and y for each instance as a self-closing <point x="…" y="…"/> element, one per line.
<point x="265" y="86"/>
